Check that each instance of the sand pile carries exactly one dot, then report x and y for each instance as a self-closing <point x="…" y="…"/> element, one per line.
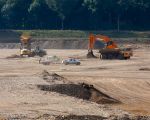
<point x="82" y="91"/>
<point x="52" y="77"/>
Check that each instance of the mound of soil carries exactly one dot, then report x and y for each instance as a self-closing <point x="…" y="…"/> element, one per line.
<point x="51" y="77"/>
<point x="82" y="91"/>
<point x="13" y="56"/>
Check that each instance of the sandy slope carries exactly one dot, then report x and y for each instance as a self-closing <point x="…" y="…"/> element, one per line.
<point x="121" y="80"/>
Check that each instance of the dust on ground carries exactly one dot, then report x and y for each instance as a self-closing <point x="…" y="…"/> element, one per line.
<point x="13" y="56"/>
<point x="121" y="80"/>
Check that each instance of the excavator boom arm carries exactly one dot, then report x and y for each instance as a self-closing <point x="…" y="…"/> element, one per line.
<point x="93" y="38"/>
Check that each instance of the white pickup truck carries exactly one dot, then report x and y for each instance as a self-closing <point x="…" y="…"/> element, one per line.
<point x="71" y="61"/>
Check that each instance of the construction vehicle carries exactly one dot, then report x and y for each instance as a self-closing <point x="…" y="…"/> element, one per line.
<point x="108" y="49"/>
<point x="25" y="48"/>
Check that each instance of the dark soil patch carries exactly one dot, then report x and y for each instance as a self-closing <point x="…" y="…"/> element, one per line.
<point x="75" y="117"/>
<point x="142" y="118"/>
<point x="98" y="68"/>
<point x="144" y="69"/>
<point x="82" y="91"/>
<point x="92" y="117"/>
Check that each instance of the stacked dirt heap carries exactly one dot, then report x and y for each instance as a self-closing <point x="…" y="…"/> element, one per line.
<point x="84" y="91"/>
<point x="52" y="78"/>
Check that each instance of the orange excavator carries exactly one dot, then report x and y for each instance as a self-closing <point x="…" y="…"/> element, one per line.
<point x="108" y="49"/>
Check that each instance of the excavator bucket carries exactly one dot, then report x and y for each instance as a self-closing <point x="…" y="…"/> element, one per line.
<point x="90" y="54"/>
<point x="91" y="46"/>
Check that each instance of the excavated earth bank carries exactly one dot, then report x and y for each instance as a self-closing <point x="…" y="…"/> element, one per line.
<point x="84" y="91"/>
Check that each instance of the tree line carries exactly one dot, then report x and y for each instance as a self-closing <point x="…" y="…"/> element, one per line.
<point x="75" y="14"/>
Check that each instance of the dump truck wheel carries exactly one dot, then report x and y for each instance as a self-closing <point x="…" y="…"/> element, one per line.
<point x="66" y="63"/>
<point x="110" y="56"/>
<point x="104" y="56"/>
<point x="30" y="55"/>
<point x="100" y="56"/>
<point x="126" y="58"/>
<point x="41" y="55"/>
<point x="120" y="57"/>
<point x="78" y="64"/>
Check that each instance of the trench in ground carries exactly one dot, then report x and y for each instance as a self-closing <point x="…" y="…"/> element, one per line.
<point x="81" y="91"/>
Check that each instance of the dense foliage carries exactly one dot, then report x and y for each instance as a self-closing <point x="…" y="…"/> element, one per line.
<point x="75" y="14"/>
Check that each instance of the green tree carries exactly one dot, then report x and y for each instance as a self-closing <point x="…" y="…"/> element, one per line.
<point x="43" y="14"/>
<point x="91" y="5"/>
<point x="64" y="9"/>
<point x="14" y="13"/>
<point x="2" y="2"/>
<point x="75" y="14"/>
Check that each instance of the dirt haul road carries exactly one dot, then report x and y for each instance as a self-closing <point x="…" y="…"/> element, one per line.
<point x="127" y="81"/>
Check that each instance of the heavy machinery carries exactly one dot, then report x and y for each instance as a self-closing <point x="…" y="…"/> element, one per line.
<point x="25" y="48"/>
<point x="108" y="49"/>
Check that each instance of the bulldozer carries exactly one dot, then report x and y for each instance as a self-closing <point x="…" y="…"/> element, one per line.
<point x="25" y="48"/>
<point x="108" y="49"/>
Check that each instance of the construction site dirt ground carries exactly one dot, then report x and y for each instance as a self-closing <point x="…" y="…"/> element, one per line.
<point x="127" y="81"/>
